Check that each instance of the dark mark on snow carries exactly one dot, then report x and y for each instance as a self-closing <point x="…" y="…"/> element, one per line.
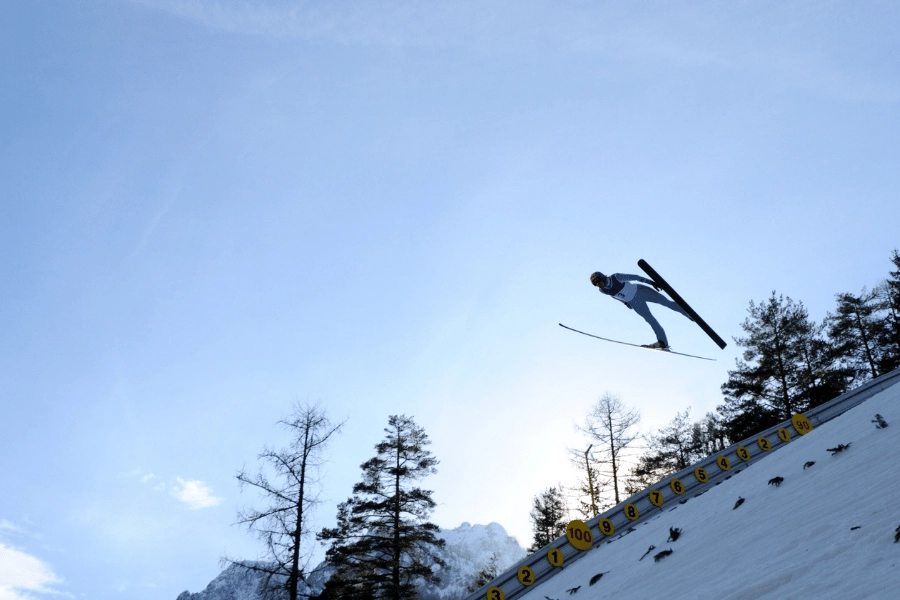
<point x="661" y="555"/>
<point x="838" y="448"/>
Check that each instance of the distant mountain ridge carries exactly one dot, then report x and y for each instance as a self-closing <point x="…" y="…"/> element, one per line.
<point x="468" y="550"/>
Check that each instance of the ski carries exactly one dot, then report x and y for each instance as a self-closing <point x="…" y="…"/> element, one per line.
<point x="634" y="345"/>
<point x="680" y="302"/>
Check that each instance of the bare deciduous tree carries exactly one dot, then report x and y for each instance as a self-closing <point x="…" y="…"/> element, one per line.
<point x="610" y="427"/>
<point x="289" y="481"/>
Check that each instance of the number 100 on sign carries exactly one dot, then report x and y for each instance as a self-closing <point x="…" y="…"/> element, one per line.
<point x="579" y="535"/>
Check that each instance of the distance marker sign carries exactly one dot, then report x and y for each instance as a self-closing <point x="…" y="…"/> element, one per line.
<point x="801" y="424"/>
<point x="606" y="527"/>
<point x="555" y="557"/>
<point x="495" y="593"/>
<point x="579" y="535"/>
<point x="526" y="575"/>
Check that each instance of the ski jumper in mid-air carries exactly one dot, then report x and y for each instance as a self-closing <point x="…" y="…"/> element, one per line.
<point x="622" y="287"/>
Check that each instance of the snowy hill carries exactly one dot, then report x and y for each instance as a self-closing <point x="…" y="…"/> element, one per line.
<point x="827" y="531"/>
<point x="469" y="549"/>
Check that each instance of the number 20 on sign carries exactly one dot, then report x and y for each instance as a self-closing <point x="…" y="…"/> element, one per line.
<point x="526" y="576"/>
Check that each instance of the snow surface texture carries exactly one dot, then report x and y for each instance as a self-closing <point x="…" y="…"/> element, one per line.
<point x="469" y="549"/>
<point x="793" y="540"/>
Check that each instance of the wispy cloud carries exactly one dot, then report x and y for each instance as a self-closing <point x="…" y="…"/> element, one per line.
<point x="9" y="526"/>
<point x="194" y="493"/>
<point x="770" y="45"/>
<point x="22" y="574"/>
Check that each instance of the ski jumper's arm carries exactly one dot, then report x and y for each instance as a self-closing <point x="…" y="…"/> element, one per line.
<point x="623" y="277"/>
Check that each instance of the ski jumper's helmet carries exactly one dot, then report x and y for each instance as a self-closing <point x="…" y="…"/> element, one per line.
<point x="598" y="279"/>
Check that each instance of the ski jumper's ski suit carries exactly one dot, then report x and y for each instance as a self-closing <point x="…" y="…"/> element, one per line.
<point x="619" y="286"/>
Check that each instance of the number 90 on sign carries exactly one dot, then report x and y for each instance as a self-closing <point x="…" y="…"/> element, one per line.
<point x="801" y="424"/>
<point x="579" y="535"/>
<point x="606" y="527"/>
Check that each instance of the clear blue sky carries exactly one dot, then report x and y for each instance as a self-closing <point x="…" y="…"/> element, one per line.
<point x="213" y="209"/>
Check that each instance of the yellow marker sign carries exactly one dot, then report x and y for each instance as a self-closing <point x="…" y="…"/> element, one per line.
<point x="701" y="474"/>
<point x="723" y="463"/>
<point x="743" y="453"/>
<point x="631" y="512"/>
<point x="526" y="576"/>
<point x="801" y="424"/>
<point x="784" y="435"/>
<point x="765" y="444"/>
<point x="606" y="527"/>
<point x="677" y="486"/>
<point x="495" y="593"/>
<point x="555" y="556"/>
<point x="656" y="498"/>
<point x="579" y="535"/>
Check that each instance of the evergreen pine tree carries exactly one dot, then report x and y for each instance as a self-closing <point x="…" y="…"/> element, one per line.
<point x="383" y="543"/>
<point x="712" y="434"/>
<point x="856" y="332"/>
<point x="787" y="367"/>
<point x="548" y="517"/>
<point x="672" y="447"/>
<point x="889" y="294"/>
<point x="487" y="573"/>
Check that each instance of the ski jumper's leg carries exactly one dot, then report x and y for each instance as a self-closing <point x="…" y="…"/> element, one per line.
<point x="639" y="304"/>
<point x="657" y="298"/>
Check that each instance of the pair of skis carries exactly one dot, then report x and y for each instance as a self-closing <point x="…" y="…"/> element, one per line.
<point x="662" y="283"/>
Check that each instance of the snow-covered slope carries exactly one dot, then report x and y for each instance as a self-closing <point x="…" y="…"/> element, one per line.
<point x="826" y="532"/>
<point x="469" y="548"/>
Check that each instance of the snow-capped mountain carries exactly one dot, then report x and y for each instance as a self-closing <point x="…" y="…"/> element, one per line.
<point x="469" y="549"/>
